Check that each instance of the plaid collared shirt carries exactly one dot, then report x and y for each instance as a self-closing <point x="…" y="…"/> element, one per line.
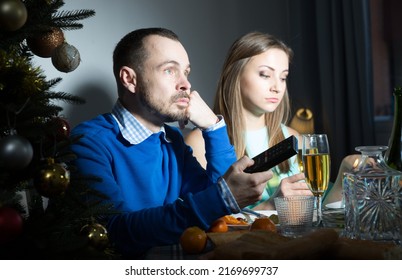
<point x="131" y="129"/>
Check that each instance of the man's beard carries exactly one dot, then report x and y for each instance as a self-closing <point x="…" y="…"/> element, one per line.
<point x="161" y="109"/>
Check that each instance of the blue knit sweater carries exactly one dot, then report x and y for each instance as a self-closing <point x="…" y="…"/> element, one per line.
<point x="158" y="186"/>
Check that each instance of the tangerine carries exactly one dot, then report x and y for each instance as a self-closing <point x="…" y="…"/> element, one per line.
<point x="193" y="240"/>
<point x="219" y="226"/>
<point x="263" y="223"/>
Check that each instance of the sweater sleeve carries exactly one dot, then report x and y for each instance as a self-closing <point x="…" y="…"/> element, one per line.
<point x="219" y="153"/>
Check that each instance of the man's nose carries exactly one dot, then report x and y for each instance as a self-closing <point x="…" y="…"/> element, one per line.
<point x="183" y="83"/>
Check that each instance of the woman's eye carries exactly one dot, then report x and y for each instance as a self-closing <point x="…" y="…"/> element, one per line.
<point x="284" y="79"/>
<point x="264" y="75"/>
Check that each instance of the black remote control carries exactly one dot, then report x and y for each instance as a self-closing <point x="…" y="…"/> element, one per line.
<point x="274" y="155"/>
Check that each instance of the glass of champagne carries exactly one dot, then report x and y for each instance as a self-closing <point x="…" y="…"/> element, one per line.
<point x="316" y="163"/>
<point x="300" y="160"/>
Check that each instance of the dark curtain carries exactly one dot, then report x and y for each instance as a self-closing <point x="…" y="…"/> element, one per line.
<point x="332" y="71"/>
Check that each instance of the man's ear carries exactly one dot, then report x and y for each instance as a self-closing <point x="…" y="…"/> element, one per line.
<point x="128" y="78"/>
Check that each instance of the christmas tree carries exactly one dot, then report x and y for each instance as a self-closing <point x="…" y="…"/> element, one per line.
<point x="45" y="213"/>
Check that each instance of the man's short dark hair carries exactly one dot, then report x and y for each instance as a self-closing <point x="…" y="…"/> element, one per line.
<point x="130" y="50"/>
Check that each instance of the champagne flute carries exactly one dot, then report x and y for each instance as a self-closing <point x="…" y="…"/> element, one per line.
<point x="316" y="163"/>
<point x="300" y="160"/>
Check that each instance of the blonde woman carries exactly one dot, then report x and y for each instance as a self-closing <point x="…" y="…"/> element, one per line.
<point x="253" y="99"/>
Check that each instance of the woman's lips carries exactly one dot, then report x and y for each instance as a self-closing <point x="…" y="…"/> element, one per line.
<point x="272" y="100"/>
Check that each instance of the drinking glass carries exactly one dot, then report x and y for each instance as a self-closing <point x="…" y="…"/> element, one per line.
<point x="316" y="165"/>
<point x="295" y="214"/>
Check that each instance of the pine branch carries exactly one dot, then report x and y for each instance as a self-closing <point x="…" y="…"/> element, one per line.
<point x="46" y="15"/>
<point x="73" y="15"/>
<point x="53" y="82"/>
<point x="67" y="98"/>
<point x="67" y="19"/>
<point x="40" y="12"/>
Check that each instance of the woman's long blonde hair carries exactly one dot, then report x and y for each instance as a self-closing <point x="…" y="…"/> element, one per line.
<point x="228" y="99"/>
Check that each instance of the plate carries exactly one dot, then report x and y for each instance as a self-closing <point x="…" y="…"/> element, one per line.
<point x="333" y="215"/>
<point x="252" y="217"/>
<point x="334" y="205"/>
<point x="262" y="212"/>
<point x="267" y="212"/>
<point x="238" y="227"/>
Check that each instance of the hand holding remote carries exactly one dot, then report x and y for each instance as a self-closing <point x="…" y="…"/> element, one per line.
<point x="274" y="155"/>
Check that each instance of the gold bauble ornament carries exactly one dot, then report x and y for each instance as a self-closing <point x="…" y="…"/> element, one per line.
<point x="45" y="43"/>
<point x="52" y="179"/>
<point x="97" y="235"/>
<point x="66" y="58"/>
<point x="13" y="15"/>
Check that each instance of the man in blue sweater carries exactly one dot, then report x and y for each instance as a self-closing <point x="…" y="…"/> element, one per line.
<point x="147" y="171"/>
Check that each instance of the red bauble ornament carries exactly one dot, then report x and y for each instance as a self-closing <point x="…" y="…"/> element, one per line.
<point x="60" y="128"/>
<point x="11" y="224"/>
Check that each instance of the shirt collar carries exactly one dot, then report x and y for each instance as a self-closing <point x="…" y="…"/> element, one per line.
<point x="131" y="129"/>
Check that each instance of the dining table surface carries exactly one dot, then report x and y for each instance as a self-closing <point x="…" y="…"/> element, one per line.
<point x="175" y="252"/>
<point x="332" y="221"/>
